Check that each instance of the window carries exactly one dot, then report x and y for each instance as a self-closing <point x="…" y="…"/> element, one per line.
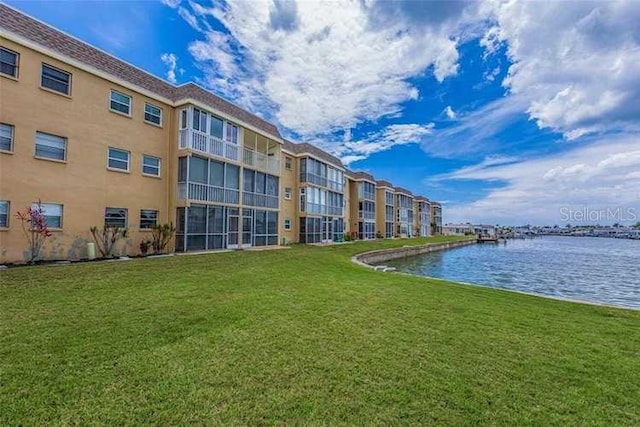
<point x="51" y="146"/>
<point x="183" y="119"/>
<point x="287" y="163"/>
<point x="4" y="213"/>
<point x="152" y="114"/>
<point x="52" y="214"/>
<point x="120" y="103"/>
<point x="118" y="159"/>
<point x="150" y="165"/>
<point x="55" y="79"/>
<point x="6" y="137"/>
<point x="215" y="129"/>
<point x="9" y="62"/>
<point x="148" y="218"/>
<point x="115" y="217"/>
<point x="232" y="133"/>
<point x="199" y="120"/>
<point x="287" y="224"/>
<point x="287" y="193"/>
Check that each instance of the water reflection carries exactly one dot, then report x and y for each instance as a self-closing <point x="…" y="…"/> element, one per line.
<point x="592" y="269"/>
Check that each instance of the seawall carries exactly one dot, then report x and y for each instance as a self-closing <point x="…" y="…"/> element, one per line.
<point x="382" y="255"/>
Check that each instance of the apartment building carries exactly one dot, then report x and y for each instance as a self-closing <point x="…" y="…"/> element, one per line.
<point x="319" y="184"/>
<point x="422" y="216"/>
<point x="404" y="212"/>
<point x="363" y="204"/>
<point x="436" y="218"/>
<point x="102" y="143"/>
<point x="385" y="209"/>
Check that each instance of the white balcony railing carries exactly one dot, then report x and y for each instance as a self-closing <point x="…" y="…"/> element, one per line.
<point x="259" y="200"/>
<point x="207" y="193"/>
<point x="261" y="161"/>
<point x="366" y="215"/>
<point x="207" y="144"/>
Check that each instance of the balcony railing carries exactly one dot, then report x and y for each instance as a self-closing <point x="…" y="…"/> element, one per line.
<point x="207" y="193"/>
<point x="313" y="179"/>
<point x="334" y="210"/>
<point x="366" y="215"/>
<point x="207" y="144"/>
<point x="259" y="200"/>
<point x="261" y="161"/>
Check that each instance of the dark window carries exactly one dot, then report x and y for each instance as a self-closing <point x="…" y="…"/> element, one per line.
<point x="148" y="218"/>
<point x="153" y="114"/>
<point x="9" y="62"/>
<point x="6" y="137"/>
<point x="55" y="79"/>
<point x="50" y="146"/>
<point x="115" y="217"/>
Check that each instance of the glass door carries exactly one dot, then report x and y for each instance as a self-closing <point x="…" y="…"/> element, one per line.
<point x="247" y="227"/>
<point x="233" y="229"/>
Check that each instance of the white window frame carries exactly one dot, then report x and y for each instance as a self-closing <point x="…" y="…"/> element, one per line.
<point x="128" y="114"/>
<point x="7" y="204"/>
<point x="126" y="215"/>
<point x="287" y="227"/>
<point x="109" y="158"/>
<point x="35" y="152"/>
<point x="68" y="92"/>
<point x="148" y="156"/>
<point x="288" y="163"/>
<point x="17" y="64"/>
<point x="287" y="194"/>
<point x="12" y="131"/>
<point x="51" y="206"/>
<point x="159" y="116"/>
<point x="148" y="210"/>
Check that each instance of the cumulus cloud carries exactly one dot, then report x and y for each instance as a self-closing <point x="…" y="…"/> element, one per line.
<point x="600" y="175"/>
<point x="576" y="63"/>
<point x="317" y="67"/>
<point x="448" y="111"/>
<point x="171" y="61"/>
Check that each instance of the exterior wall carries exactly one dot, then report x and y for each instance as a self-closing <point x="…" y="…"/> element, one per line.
<point x="352" y="206"/>
<point x="82" y="183"/>
<point x="290" y="208"/>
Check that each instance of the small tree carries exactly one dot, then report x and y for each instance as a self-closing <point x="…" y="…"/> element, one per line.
<point x="107" y="237"/>
<point x="161" y="235"/>
<point x="34" y="227"/>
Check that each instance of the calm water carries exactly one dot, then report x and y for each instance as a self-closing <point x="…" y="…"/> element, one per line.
<point x="600" y="270"/>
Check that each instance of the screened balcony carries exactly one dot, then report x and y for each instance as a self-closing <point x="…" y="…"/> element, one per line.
<point x="261" y="153"/>
<point x="206" y="133"/>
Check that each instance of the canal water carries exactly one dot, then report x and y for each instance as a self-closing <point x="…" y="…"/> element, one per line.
<point x="591" y="269"/>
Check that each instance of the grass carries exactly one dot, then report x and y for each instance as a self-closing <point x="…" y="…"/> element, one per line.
<point x="302" y="336"/>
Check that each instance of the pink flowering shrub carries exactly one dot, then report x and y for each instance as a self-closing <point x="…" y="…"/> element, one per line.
<point x="34" y="227"/>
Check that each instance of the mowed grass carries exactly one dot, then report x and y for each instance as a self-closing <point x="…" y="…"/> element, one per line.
<point x="302" y="336"/>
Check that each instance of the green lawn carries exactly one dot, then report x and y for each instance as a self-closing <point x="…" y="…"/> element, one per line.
<point x="302" y="336"/>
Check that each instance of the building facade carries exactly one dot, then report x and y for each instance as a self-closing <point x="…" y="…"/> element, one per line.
<point x="404" y="213"/>
<point x="422" y="216"/>
<point x="101" y="143"/>
<point x="436" y="218"/>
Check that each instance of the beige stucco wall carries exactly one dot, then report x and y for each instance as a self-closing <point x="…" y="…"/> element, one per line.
<point x="289" y="208"/>
<point x="82" y="184"/>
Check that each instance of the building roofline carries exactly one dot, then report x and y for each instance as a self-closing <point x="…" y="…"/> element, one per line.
<point x="11" y="20"/>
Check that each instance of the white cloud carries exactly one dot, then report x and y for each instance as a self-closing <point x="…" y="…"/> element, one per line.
<point x="577" y="63"/>
<point x="391" y="136"/>
<point x="450" y="113"/>
<point x="475" y="132"/>
<point x="171" y="3"/>
<point x="318" y="68"/>
<point x="600" y="175"/>
<point x="171" y="61"/>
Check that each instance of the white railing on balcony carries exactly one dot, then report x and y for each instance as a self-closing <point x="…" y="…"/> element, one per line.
<point x="207" y="144"/>
<point x="313" y="179"/>
<point x="366" y="215"/>
<point x="207" y="193"/>
<point x="334" y="210"/>
<point x="261" y="161"/>
<point x="259" y="200"/>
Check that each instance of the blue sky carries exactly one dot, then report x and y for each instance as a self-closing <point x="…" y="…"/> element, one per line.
<point x="508" y="112"/>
